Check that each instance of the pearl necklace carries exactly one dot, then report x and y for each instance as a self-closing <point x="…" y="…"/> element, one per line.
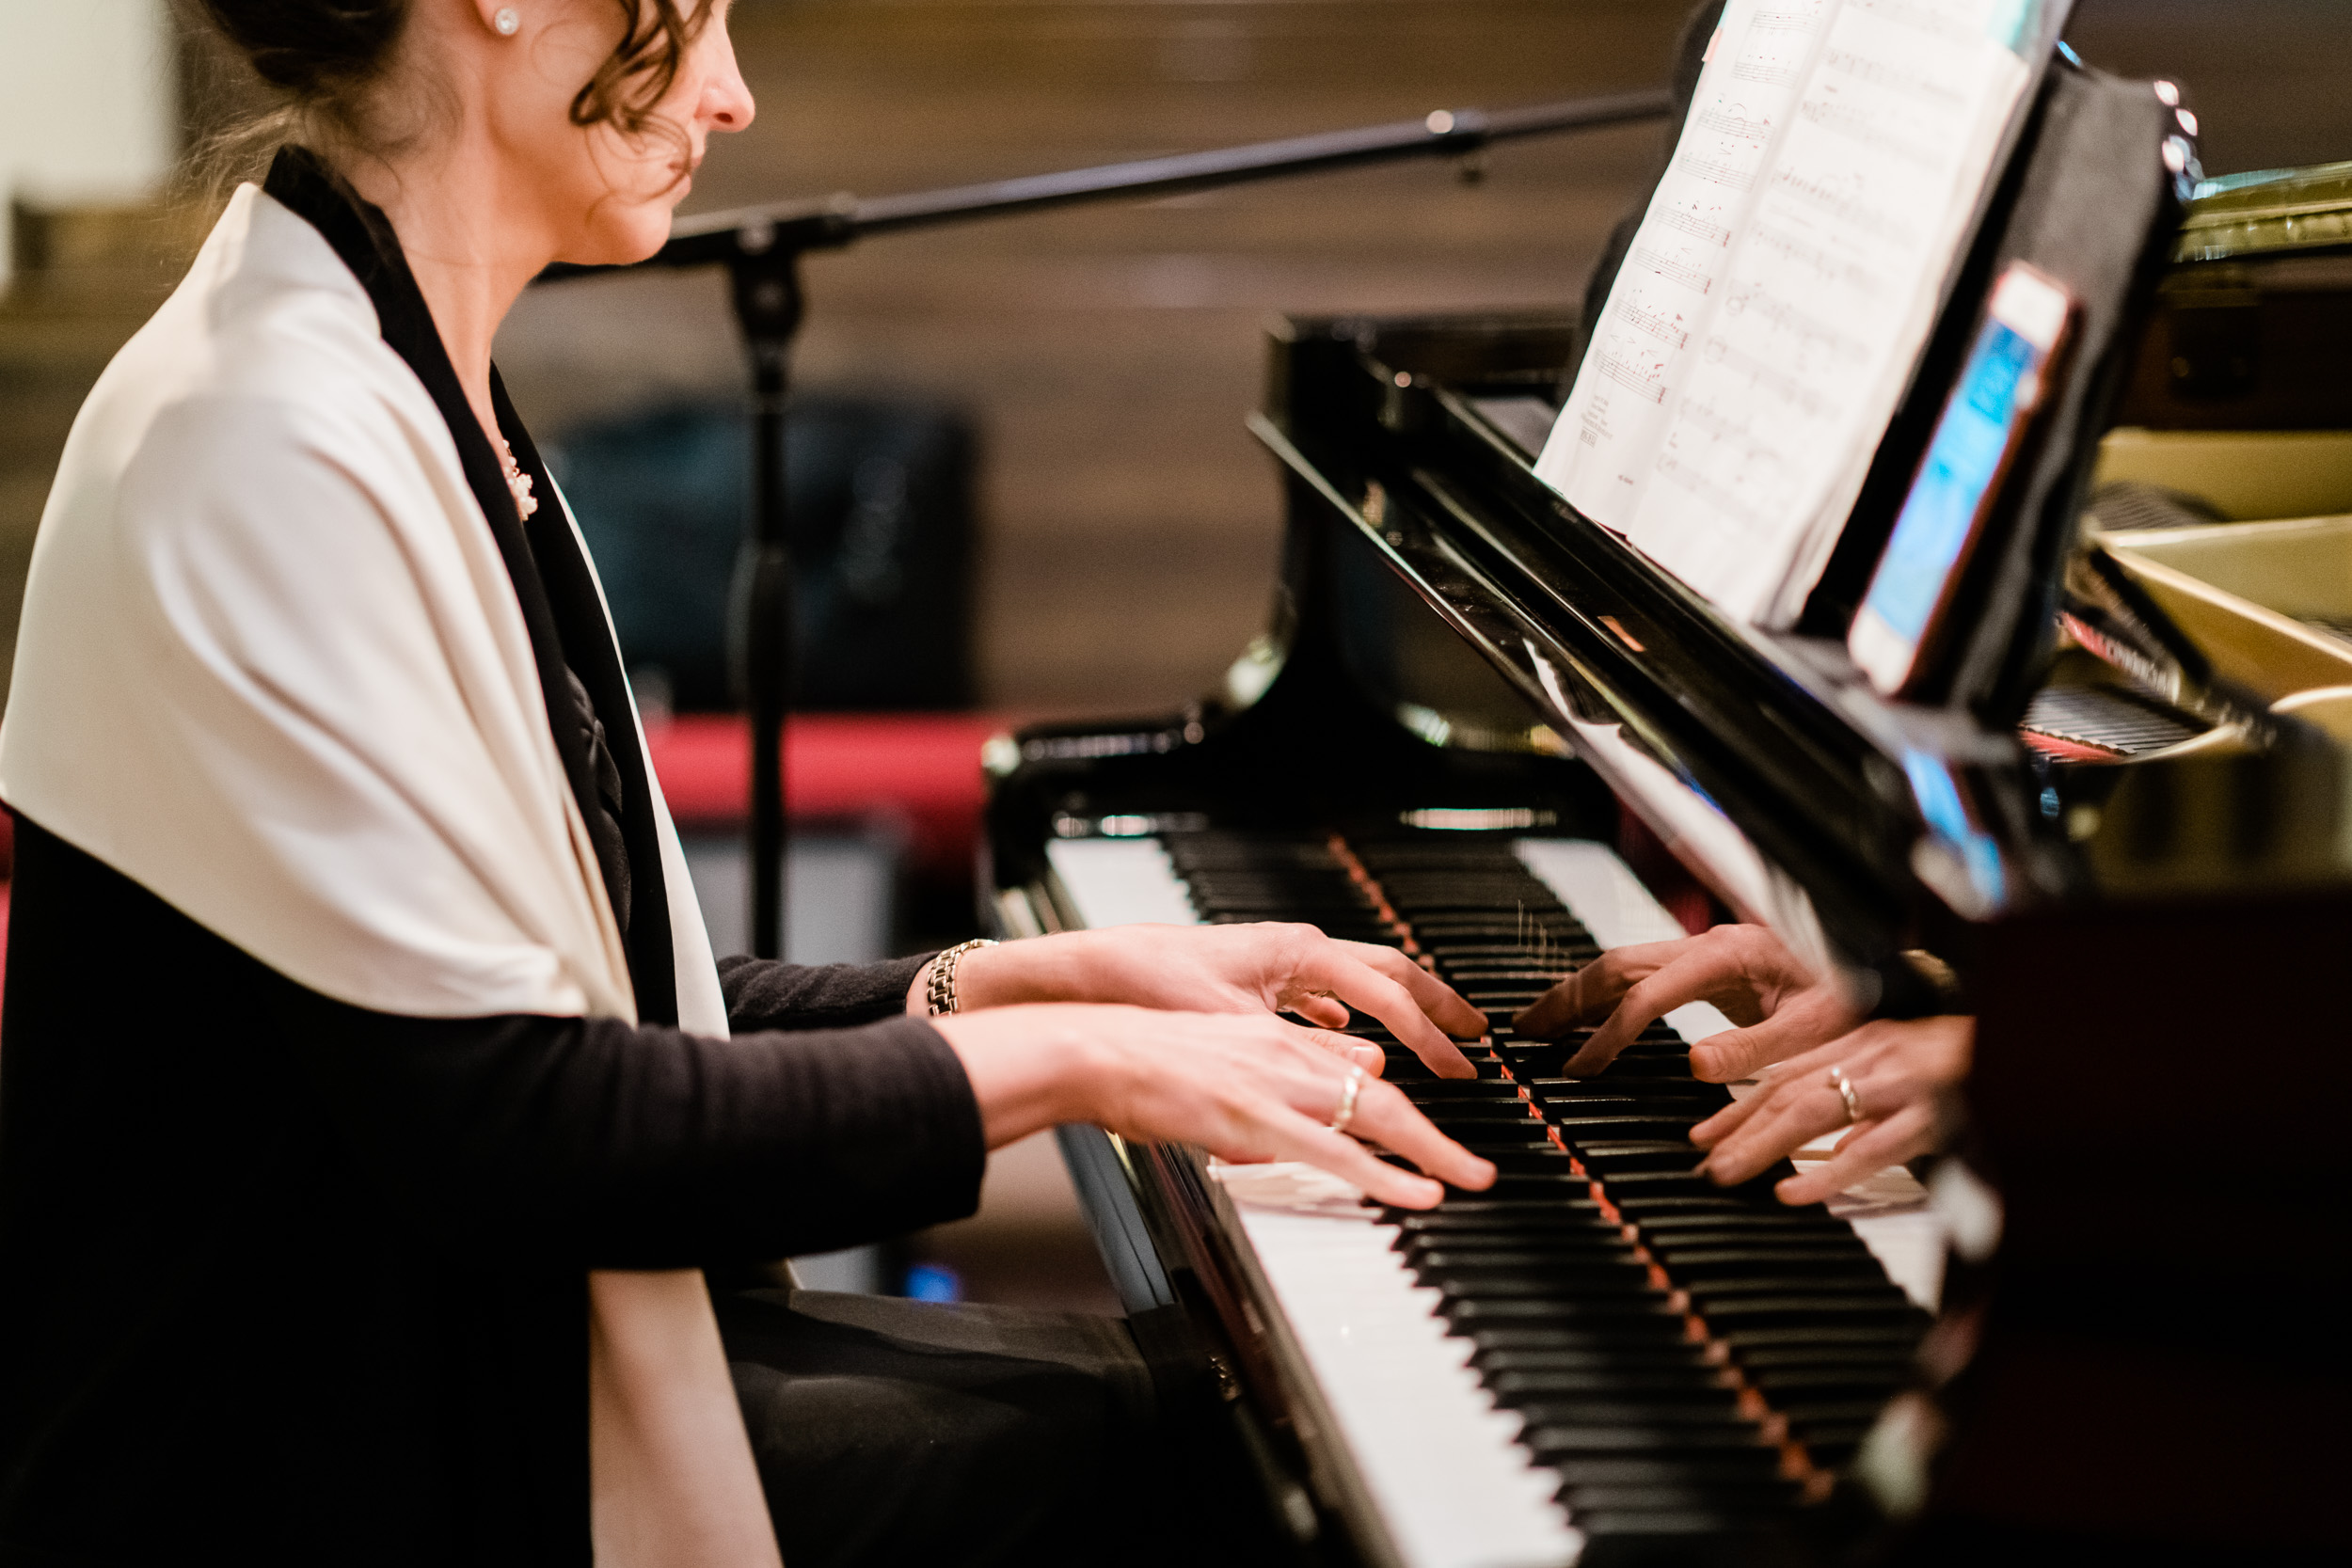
<point x="518" y="483"/>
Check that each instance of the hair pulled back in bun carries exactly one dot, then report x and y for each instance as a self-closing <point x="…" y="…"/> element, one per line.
<point x="313" y="49"/>
<point x="325" y="55"/>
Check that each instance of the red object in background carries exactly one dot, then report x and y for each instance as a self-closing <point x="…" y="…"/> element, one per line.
<point x="1683" y="895"/>
<point x="917" y="771"/>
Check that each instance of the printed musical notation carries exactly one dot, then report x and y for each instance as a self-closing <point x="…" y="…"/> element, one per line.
<point x="1783" y="280"/>
<point x="1763" y="74"/>
<point x="1668" y="328"/>
<point x="1690" y="274"/>
<point x="1642" y="380"/>
<point x="1743" y="98"/>
<point x="1825" y="301"/>
<point x="1706" y="228"/>
<point x="1734" y="120"/>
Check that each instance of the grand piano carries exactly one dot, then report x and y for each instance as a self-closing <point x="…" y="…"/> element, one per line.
<point x="2092" y="1326"/>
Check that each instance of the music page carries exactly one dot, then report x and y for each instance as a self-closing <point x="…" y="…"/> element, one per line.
<point x="1607" y="437"/>
<point x="1770" y="411"/>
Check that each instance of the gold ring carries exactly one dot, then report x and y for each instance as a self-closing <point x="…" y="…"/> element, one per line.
<point x="1844" y="1086"/>
<point x="1348" y="1091"/>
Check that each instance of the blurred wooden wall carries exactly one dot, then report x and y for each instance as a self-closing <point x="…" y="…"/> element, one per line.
<point x="1109" y="355"/>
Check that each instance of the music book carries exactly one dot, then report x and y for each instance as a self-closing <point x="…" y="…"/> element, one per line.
<point x="1784" y="280"/>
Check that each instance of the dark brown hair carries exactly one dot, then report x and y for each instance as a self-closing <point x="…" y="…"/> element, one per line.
<point x="322" y="56"/>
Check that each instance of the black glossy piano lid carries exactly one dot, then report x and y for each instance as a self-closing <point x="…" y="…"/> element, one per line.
<point x="1405" y="432"/>
<point x="1886" y="822"/>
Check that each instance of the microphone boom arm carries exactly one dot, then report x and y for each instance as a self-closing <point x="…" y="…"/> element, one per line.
<point x="762" y="248"/>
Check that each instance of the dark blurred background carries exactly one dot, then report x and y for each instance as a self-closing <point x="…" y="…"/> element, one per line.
<point x="1052" y="403"/>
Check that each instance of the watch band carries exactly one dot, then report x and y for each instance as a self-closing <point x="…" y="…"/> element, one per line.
<point x="940" y="994"/>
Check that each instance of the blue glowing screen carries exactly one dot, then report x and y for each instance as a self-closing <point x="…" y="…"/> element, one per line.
<point x="1962" y="460"/>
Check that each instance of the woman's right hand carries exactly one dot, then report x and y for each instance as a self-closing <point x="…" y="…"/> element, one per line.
<point x="1246" y="1087"/>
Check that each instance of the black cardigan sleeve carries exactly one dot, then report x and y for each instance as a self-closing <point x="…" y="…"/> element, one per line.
<point x="764" y="995"/>
<point x="619" y="1146"/>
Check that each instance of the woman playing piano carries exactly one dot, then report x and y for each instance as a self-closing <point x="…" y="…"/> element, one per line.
<point x="368" y="1225"/>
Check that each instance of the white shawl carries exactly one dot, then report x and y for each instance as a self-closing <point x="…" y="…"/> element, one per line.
<point x="273" y="668"/>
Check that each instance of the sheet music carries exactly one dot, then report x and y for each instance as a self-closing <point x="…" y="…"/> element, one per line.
<point x="1607" y="437"/>
<point x="1763" y="421"/>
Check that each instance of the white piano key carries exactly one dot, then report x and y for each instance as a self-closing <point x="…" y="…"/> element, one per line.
<point x="1443" y="1465"/>
<point x="1120" y="881"/>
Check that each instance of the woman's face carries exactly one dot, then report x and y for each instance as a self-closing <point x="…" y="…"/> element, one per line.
<point x="602" y="195"/>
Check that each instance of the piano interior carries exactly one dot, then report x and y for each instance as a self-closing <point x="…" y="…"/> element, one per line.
<point x="1466" y="698"/>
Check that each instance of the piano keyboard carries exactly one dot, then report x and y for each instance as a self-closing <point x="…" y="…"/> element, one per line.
<point x="1603" y="1349"/>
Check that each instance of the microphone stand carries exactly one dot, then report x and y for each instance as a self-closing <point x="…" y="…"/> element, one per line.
<point x="762" y="247"/>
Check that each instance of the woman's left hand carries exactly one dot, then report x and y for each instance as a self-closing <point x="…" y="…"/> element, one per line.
<point x="1898" y="1071"/>
<point x="1227" y="968"/>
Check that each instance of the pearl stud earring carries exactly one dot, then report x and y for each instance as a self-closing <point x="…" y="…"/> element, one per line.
<point x="506" y="21"/>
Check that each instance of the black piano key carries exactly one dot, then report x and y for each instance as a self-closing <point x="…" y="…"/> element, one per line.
<point x="1535" y="1060"/>
<point x="1832" y="1445"/>
<point x="1683" y="1113"/>
<point x="1651" y="1097"/>
<point x="1609" y="1158"/>
<point x="1644" y="1313"/>
<point x="1761" y="1467"/>
<point x="1551" y="1242"/>
<point x="1726" y="1228"/>
<point x="1645" y="1093"/>
<point x="1735" y="1437"/>
<point x="1497" y="1336"/>
<point x="1641" y="1065"/>
<point x="1832" y="1361"/>
<point x="1614" y="1499"/>
<point x="1567" y="1285"/>
<point x="1474" y="1214"/>
<point x="1703" y="1419"/>
<point x="1537" y="1157"/>
<point x="1824" y="1340"/>
<point x="1529" y="1184"/>
<point x="1466" y="1088"/>
<point x="1639" y="1206"/>
<point x="1462" y="972"/>
<point x="1727" y="1314"/>
<point x="1456" y="1262"/>
<point x="1577" y="1132"/>
<point x="1788" y="1388"/>
<point x="1494" y="1117"/>
<point x="1682" y="1360"/>
<point x="1807" y="1262"/>
<point x="1639" y="1184"/>
<point x="1791" y="1282"/>
<point x="1683" y="1385"/>
<point x="1559" y="946"/>
<point x="1509" y="950"/>
<point x="1620" y="1538"/>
